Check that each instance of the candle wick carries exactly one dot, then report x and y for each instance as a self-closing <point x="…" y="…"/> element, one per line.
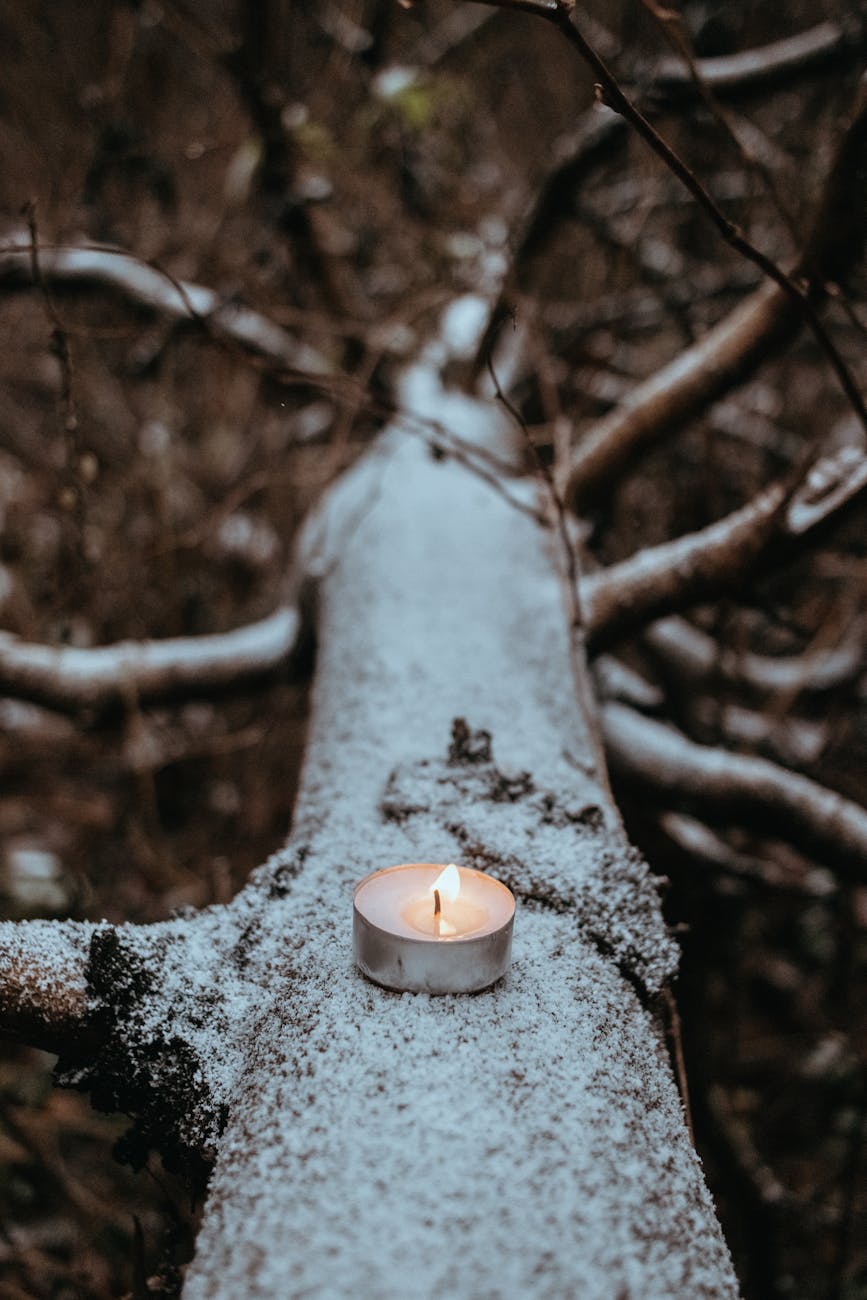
<point x="438" y="907"/>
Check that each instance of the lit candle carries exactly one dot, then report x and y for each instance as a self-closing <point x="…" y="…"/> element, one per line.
<point x="424" y="928"/>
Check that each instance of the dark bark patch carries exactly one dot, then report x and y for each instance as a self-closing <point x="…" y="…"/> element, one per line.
<point x="469" y="746"/>
<point x="156" y="1078"/>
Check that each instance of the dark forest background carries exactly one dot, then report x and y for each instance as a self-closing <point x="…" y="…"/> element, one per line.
<point x="346" y="167"/>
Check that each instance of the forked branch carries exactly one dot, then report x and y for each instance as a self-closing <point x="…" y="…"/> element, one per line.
<point x="690" y="382"/>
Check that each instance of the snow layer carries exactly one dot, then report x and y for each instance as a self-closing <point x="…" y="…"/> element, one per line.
<point x="526" y="1141"/>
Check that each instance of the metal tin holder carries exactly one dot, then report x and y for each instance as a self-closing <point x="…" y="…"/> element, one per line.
<point x="421" y="965"/>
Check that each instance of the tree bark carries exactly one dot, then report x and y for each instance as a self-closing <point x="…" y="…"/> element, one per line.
<point x="528" y="1140"/>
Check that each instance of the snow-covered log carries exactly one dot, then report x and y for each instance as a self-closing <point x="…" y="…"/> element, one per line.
<point x="524" y="1141"/>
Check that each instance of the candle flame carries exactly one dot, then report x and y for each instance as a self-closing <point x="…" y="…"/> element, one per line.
<point x="448" y="883"/>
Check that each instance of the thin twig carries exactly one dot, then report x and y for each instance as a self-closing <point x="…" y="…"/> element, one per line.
<point x="675" y="1038"/>
<point x="671" y="23"/>
<point x="72" y="496"/>
<point x="577" y="647"/>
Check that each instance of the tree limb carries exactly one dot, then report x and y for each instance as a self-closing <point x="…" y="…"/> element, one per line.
<point x="725" y="355"/>
<point x="696" y="655"/>
<point x="749" y="70"/>
<point x="736" y="345"/>
<point x="670" y="79"/>
<point x="698" y="843"/>
<point x="798" y="287"/>
<point x="642" y="751"/>
<point x="145" y="285"/>
<point x="43" y="986"/>
<point x="661" y="579"/>
<point x="70" y="678"/>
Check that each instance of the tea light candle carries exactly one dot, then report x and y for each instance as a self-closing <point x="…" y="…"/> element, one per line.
<point x="425" y="928"/>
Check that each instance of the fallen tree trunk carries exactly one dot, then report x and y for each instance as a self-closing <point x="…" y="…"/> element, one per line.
<point x="528" y="1140"/>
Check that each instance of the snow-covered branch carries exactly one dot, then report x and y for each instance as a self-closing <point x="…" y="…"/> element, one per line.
<point x="699" y="844"/>
<point x="697" y="656"/>
<point x="150" y="287"/>
<point x="71" y="678"/>
<point x="43" y="984"/>
<point x="720" y="784"/>
<point x="749" y="70"/>
<point x="663" y="579"/>
<point x="241" y="1033"/>
<point x="628" y="595"/>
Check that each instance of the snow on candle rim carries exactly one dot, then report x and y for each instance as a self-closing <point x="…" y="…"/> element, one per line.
<point x="381" y="897"/>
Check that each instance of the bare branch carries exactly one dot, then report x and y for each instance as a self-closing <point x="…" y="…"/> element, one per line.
<point x="731" y="351"/>
<point x="725" y="355"/>
<point x="43" y="984"/>
<point x="642" y="751"/>
<point x="70" y="678"/>
<point x="676" y="574"/>
<point x="594" y="139"/>
<point x="800" y="294"/>
<point x="571" y="564"/>
<point x="148" y="286"/>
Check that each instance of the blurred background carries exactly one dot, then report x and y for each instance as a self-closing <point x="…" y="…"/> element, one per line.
<point x="345" y="167"/>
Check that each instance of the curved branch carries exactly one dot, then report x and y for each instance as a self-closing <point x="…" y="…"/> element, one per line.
<point x="676" y="574"/>
<point x="70" y="678"/>
<point x="644" y="752"/>
<point x="753" y="69"/>
<point x="699" y="843"/>
<point x="156" y="290"/>
<point x="727" y="354"/>
<point x="43" y="983"/>
<point x="698" y="656"/>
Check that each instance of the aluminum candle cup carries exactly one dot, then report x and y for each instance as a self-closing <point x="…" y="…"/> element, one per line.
<point x="425" y="928"/>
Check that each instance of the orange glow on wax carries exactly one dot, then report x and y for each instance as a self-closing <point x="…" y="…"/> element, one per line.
<point x="441" y="913"/>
